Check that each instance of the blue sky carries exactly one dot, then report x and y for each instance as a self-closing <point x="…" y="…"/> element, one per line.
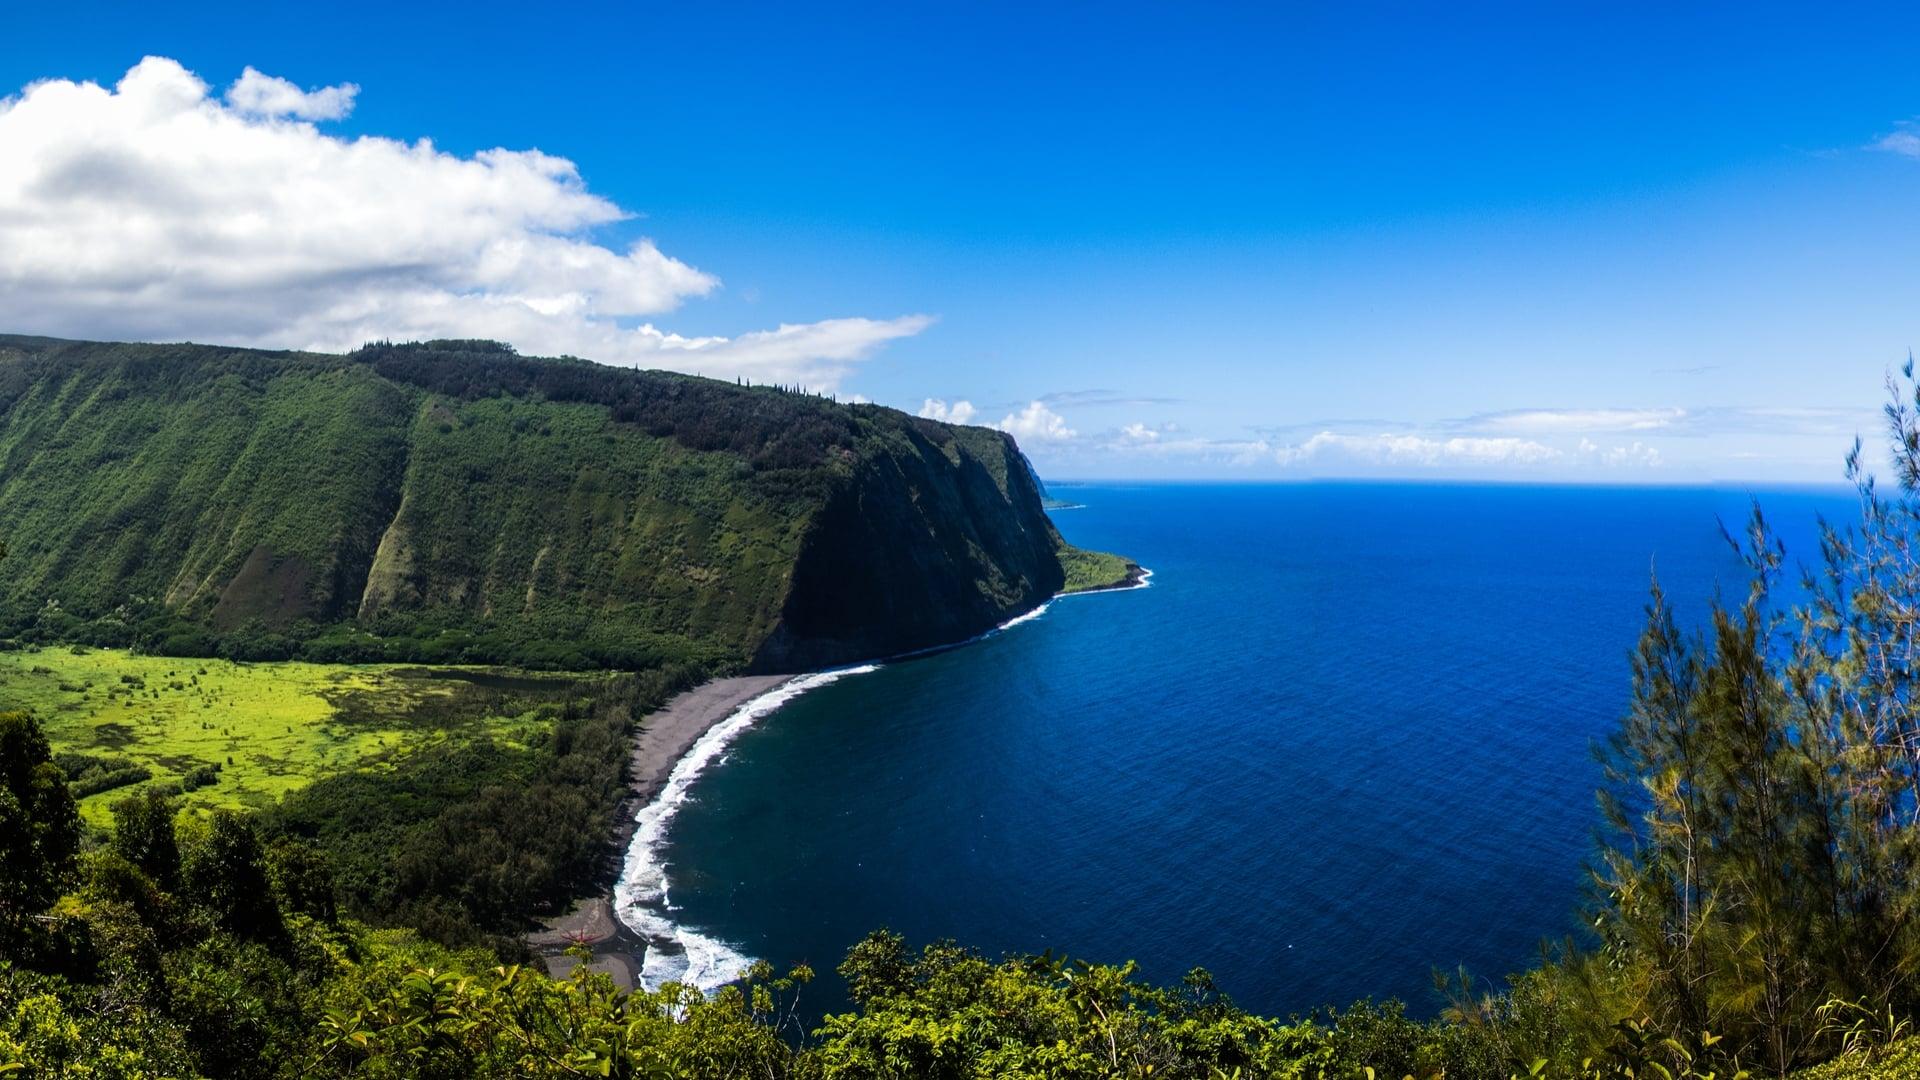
<point x="1530" y="242"/>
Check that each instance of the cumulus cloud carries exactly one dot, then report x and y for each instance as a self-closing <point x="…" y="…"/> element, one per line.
<point x="960" y="412"/>
<point x="1033" y="424"/>
<point x="155" y="209"/>
<point x="1138" y="433"/>
<point x="1036" y="423"/>
<point x="265" y="95"/>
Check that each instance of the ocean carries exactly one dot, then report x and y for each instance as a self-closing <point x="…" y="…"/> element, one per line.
<point x="1342" y="739"/>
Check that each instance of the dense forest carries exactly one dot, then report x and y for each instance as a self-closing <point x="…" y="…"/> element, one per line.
<point x="1753" y="908"/>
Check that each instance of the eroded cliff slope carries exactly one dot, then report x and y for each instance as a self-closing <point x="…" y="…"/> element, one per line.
<point x="455" y="501"/>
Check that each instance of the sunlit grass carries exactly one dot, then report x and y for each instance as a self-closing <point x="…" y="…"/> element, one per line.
<point x="1091" y="569"/>
<point x="269" y="728"/>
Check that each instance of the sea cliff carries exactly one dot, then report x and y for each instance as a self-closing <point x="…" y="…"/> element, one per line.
<point x="455" y="501"/>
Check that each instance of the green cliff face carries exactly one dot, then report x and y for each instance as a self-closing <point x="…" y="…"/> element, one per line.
<point x="517" y="508"/>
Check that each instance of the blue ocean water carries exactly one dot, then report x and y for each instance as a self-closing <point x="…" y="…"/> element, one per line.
<point x="1342" y="739"/>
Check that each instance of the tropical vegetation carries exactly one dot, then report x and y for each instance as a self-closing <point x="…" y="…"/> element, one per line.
<point x="1754" y="907"/>
<point x="1087" y="571"/>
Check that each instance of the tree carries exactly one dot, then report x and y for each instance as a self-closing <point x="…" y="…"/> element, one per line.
<point x="143" y="834"/>
<point x="224" y="870"/>
<point x="39" y="826"/>
<point x="1765" y="798"/>
<point x="303" y="877"/>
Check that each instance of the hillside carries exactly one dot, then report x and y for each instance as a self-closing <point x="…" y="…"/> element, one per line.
<point x="453" y="501"/>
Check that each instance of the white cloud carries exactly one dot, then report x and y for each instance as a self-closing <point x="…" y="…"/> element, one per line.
<point x="1138" y="432"/>
<point x="1238" y="453"/>
<point x="1569" y="421"/>
<point x="960" y="412"/>
<point x="1036" y="423"/>
<point x="157" y="210"/>
<point x="1618" y="456"/>
<point x="1904" y="139"/>
<point x="1695" y="422"/>
<point x="1416" y="450"/>
<point x="265" y="95"/>
<point x="1425" y="452"/>
<point x="1901" y="142"/>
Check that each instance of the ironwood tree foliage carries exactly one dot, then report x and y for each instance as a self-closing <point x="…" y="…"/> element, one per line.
<point x="1765" y="795"/>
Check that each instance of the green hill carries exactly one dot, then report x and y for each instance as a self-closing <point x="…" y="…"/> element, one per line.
<point x="453" y="501"/>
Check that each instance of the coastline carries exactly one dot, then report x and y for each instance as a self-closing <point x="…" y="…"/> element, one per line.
<point x="664" y="742"/>
<point x="661" y="741"/>
<point x="666" y="734"/>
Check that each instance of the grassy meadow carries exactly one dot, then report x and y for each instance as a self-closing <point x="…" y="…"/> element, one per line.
<point x="244" y="734"/>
